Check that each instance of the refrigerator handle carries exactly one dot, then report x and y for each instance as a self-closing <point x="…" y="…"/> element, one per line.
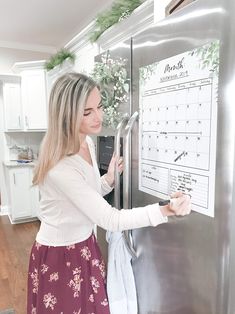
<point x="127" y="161"/>
<point x="117" y="145"/>
<point x="127" y="178"/>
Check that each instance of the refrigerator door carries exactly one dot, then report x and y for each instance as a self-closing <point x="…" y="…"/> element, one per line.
<point x="183" y="267"/>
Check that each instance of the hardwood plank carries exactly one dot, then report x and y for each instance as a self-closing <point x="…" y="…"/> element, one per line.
<point x="15" y="246"/>
<point x="6" y="299"/>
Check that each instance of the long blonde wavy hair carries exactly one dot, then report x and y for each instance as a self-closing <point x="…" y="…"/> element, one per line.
<point x="67" y="101"/>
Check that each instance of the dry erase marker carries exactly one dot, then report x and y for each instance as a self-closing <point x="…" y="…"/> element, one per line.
<point x="166" y="202"/>
<point x="163" y="203"/>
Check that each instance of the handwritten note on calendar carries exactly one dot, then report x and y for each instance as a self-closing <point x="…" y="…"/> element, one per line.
<point x="178" y="126"/>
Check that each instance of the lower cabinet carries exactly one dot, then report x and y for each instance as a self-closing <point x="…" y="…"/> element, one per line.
<point x="23" y="197"/>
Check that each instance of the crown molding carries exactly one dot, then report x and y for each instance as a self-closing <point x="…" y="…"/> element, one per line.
<point x="27" y="47"/>
<point x="81" y="40"/>
<point x="24" y="66"/>
<point x="10" y="78"/>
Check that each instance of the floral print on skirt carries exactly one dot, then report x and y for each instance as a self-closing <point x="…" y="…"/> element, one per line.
<point x="67" y="279"/>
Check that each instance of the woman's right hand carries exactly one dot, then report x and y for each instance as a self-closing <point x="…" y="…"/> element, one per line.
<point x="180" y="205"/>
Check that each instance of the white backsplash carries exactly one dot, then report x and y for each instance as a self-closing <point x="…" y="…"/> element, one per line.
<point x="22" y="140"/>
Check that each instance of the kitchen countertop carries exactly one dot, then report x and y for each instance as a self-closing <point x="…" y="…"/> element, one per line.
<point x="14" y="163"/>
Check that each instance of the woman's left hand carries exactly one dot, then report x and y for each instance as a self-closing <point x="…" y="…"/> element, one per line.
<point x="110" y="175"/>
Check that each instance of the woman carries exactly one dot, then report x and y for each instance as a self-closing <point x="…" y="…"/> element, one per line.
<point x="66" y="270"/>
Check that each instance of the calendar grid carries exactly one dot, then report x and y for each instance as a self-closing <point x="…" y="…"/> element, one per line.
<point x="176" y="126"/>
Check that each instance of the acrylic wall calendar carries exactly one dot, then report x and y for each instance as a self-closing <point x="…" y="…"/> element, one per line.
<point x="178" y="126"/>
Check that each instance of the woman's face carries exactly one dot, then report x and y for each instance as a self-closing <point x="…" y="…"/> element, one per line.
<point x="93" y="114"/>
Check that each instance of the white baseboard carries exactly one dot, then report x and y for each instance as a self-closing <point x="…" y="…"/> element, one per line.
<point x="22" y="220"/>
<point x="4" y="210"/>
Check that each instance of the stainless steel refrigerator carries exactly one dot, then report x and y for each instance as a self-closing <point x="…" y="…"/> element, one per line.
<point x="187" y="265"/>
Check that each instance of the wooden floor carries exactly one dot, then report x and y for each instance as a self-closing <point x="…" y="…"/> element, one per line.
<point x="15" y="245"/>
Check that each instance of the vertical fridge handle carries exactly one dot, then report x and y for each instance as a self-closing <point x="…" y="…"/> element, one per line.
<point x="117" y="145"/>
<point x="127" y="161"/>
<point x="127" y="178"/>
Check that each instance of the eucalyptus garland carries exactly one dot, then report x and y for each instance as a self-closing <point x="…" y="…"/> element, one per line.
<point x="119" y="10"/>
<point x="113" y="79"/>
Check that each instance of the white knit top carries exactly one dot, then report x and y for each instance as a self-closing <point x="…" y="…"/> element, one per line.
<point x="72" y="204"/>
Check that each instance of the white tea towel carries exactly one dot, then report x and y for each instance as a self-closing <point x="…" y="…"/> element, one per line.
<point x="120" y="278"/>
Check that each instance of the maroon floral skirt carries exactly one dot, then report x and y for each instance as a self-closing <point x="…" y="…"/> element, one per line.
<point x="67" y="279"/>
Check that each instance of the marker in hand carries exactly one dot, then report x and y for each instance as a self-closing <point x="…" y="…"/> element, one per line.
<point x="166" y="202"/>
<point x="179" y="205"/>
<point x="163" y="203"/>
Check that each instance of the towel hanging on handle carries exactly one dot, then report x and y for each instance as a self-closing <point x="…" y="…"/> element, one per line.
<point x="120" y="278"/>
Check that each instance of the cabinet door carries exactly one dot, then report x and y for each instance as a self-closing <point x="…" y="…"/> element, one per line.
<point x="20" y="193"/>
<point x="34" y="99"/>
<point x="12" y="106"/>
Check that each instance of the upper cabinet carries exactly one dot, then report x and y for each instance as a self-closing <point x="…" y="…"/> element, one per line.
<point x="12" y="106"/>
<point x="25" y="102"/>
<point x="34" y="100"/>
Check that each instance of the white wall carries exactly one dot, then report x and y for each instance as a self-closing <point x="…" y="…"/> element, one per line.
<point x="9" y="56"/>
<point x="85" y="59"/>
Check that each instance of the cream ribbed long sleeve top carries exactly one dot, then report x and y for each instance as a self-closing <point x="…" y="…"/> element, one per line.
<point x="72" y="204"/>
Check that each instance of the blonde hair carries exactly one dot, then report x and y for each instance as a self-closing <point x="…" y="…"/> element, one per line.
<point x="67" y="101"/>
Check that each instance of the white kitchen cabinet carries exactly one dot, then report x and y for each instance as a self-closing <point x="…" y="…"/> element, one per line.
<point x="33" y="95"/>
<point x="34" y="99"/>
<point x="23" y="197"/>
<point x="12" y="106"/>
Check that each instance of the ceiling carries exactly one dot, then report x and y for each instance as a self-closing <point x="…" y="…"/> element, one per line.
<point x="45" y="25"/>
